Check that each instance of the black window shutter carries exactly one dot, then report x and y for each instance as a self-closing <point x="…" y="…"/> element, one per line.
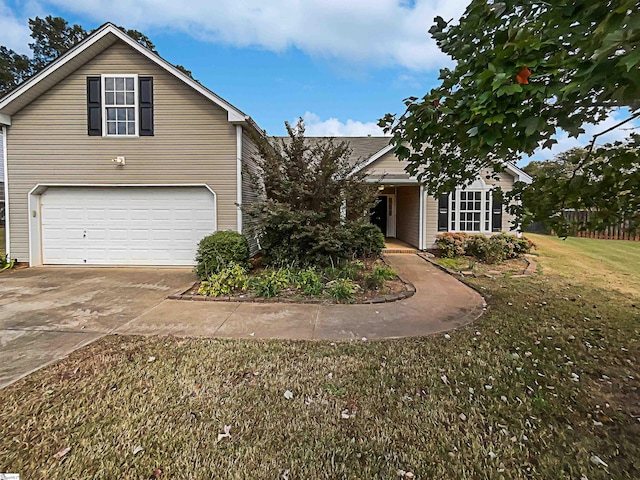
<point x="145" y="101"/>
<point x="443" y="212"/>
<point x="94" y="106"/>
<point x="496" y="214"/>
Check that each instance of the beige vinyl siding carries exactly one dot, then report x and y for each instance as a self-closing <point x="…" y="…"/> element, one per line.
<point x="249" y="193"/>
<point x="388" y="164"/>
<point x="431" y="222"/>
<point x="505" y="181"/>
<point x="48" y="142"/>
<point x="408" y="215"/>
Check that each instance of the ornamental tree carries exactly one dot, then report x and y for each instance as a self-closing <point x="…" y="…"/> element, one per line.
<point x="523" y="70"/>
<point x="313" y="206"/>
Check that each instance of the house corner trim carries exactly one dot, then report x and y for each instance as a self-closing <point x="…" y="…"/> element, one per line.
<point x="239" y="133"/>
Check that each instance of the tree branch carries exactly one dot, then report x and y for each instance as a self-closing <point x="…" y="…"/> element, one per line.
<point x="590" y="150"/>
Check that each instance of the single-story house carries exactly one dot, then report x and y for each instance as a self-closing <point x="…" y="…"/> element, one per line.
<point x="112" y="156"/>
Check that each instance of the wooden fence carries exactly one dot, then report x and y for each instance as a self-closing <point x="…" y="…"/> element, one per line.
<point x="615" y="232"/>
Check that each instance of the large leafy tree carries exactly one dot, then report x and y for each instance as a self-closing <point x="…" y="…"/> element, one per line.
<point x="524" y="70"/>
<point x="52" y="37"/>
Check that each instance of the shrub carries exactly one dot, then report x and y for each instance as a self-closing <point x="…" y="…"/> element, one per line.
<point x="342" y="289"/>
<point x="493" y="249"/>
<point x="269" y="283"/>
<point x="221" y="250"/>
<point x="451" y="244"/>
<point x="309" y="281"/>
<point x="379" y="275"/>
<point x="6" y="263"/>
<point x="225" y="282"/>
<point x="363" y="239"/>
<point x="497" y="248"/>
<point x="476" y="245"/>
<point x="351" y="270"/>
<point x="299" y="238"/>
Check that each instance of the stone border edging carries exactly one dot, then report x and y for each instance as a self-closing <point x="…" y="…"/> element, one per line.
<point x="409" y="291"/>
<point x="532" y="267"/>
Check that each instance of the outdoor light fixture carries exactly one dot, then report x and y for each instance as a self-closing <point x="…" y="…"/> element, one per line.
<point x="119" y="161"/>
<point x="380" y="187"/>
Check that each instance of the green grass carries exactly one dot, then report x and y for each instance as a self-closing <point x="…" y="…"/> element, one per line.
<point x="3" y="248"/>
<point x="496" y="400"/>
<point x="610" y="264"/>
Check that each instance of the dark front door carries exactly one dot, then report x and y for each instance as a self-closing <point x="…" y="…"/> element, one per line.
<point x="379" y="214"/>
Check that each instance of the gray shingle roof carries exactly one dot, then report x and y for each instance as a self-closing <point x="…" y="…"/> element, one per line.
<point x="362" y="147"/>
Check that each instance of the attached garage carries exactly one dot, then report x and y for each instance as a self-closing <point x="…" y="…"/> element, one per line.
<point x="123" y="225"/>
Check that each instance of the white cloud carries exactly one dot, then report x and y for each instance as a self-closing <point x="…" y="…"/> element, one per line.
<point x="332" y="127"/>
<point x="14" y="32"/>
<point x="380" y="32"/>
<point x="566" y="143"/>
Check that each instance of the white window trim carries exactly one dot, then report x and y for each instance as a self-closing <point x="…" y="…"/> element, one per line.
<point x="487" y="197"/>
<point x="136" y="94"/>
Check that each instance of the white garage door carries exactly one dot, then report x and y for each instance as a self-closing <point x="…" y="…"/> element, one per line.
<point x="124" y="225"/>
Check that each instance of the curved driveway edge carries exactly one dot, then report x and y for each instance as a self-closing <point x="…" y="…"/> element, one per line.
<point x="441" y="303"/>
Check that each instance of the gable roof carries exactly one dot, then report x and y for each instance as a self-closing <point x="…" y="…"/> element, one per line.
<point x="519" y="174"/>
<point x="98" y="41"/>
<point x="372" y="148"/>
<point x="362" y="148"/>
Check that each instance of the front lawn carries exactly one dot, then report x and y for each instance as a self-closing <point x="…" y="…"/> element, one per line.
<point x="544" y="385"/>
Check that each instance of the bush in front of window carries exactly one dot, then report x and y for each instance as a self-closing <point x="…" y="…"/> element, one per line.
<point x="221" y="250"/>
<point x="452" y="244"/>
<point x="494" y="249"/>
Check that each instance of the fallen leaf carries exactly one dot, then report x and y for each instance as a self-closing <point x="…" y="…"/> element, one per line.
<point x="62" y="452"/>
<point x="157" y="472"/>
<point x="596" y="460"/>
<point x="463" y="417"/>
<point x="288" y="394"/>
<point x="138" y="449"/>
<point x="226" y="434"/>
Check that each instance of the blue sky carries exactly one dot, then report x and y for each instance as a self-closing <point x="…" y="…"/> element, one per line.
<point x="340" y="64"/>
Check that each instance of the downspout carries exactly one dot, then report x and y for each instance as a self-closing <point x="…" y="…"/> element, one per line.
<point x="421" y="221"/>
<point x="239" y="178"/>
<point x="7" y="234"/>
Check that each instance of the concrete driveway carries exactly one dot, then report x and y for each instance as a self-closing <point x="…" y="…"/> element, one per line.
<point x="46" y="313"/>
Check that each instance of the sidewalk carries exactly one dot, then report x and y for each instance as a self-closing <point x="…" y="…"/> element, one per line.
<point x="440" y="303"/>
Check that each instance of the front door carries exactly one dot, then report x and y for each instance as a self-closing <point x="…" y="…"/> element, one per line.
<point x="379" y="214"/>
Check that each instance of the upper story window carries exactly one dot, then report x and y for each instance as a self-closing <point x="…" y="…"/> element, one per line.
<point x="120" y="105"/>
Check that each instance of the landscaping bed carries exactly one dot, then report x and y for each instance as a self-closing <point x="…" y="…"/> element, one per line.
<point x="368" y="280"/>
<point x="478" y="255"/>
<point x="468" y="265"/>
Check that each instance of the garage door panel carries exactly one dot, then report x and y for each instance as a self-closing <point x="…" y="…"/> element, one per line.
<point x="125" y="225"/>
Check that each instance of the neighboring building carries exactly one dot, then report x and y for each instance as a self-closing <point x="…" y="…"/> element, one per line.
<point x="115" y="157"/>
